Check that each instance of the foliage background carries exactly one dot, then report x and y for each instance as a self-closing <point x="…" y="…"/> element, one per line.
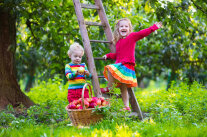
<point x="47" y="28"/>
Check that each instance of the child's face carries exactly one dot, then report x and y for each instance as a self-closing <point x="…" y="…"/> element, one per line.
<point x="76" y="56"/>
<point x="124" y="28"/>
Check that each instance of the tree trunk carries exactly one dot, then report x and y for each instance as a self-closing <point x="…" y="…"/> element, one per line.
<point x="10" y="92"/>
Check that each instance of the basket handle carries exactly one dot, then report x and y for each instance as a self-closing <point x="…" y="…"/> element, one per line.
<point x="90" y="89"/>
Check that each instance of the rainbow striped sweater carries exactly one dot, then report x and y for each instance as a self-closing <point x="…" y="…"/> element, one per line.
<point x="75" y="82"/>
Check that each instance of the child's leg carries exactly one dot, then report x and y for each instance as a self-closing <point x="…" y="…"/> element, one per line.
<point x="110" y="79"/>
<point x="124" y="94"/>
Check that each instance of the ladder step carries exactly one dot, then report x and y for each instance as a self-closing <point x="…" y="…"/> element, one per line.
<point x="93" y="23"/>
<point x="99" y="58"/>
<point x="100" y="41"/>
<point x="89" y="6"/>
<point x="101" y="77"/>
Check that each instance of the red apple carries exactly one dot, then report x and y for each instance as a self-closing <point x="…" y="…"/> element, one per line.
<point x="98" y="102"/>
<point x="86" y="103"/>
<point x="89" y="100"/>
<point x="80" y="107"/>
<point x="92" y="105"/>
<point x="80" y="100"/>
<point x="72" y="106"/>
<point x="105" y="103"/>
<point x="94" y="99"/>
<point x="77" y="106"/>
<point x="102" y="99"/>
<point x="75" y="102"/>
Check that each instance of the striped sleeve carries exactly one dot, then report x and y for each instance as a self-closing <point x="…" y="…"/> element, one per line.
<point x="89" y="74"/>
<point x="68" y="72"/>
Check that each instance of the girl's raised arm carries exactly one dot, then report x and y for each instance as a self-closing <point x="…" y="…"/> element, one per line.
<point x="145" y="32"/>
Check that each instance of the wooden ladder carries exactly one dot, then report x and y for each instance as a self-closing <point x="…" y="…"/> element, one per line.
<point x="88" y="51"/>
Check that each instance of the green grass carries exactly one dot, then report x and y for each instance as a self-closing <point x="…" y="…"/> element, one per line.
<point x="179" y="112"/>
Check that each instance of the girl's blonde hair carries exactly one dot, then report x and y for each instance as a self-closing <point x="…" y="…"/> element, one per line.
<point x="73" y="47"/>
<point x="116" y="34"/>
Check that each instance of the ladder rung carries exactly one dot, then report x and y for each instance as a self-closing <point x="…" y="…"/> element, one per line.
<point x="99" y="58"/>
<point x="93" y="23"/>
<point x="100" y="41"/>
<point x="89" y="6"/>
<point x="101" y="77"/>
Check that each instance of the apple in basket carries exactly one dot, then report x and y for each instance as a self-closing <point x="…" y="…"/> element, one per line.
<point x="92" y="105"/>
<point x="104" y="103"/>
<point x="98" y="102"/>
<point x="75" y="102"/>
<point x="86" y="103"/>
<point x="89" y="100"/>
<point x="102" y="99"/>
<point x="94" y="99"/>
<point x="78" y="106"/>
<point x="81" y="70"/>
<point x="72" y="106"/>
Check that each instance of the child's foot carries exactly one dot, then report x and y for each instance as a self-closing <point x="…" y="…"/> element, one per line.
<point x="126" y="109"/>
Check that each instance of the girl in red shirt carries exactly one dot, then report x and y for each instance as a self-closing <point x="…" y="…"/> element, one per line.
<point x="122" y="72"/>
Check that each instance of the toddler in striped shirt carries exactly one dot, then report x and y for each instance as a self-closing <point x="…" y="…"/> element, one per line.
<point x="76" y="73"/>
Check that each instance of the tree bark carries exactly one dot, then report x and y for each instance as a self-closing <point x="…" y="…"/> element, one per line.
<point x="10" y="92"/>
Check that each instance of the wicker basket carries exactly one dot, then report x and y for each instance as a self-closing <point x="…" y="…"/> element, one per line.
<point x="83" y="116"/>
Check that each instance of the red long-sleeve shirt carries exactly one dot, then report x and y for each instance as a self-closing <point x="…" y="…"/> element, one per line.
<point x="125" y="48"/>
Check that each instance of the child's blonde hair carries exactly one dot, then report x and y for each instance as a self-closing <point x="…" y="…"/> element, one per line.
<point x="73" y="47"/>
<point x="116" y="34"/>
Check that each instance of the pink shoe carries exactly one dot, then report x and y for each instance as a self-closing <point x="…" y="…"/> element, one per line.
<point x="127" y="109"/>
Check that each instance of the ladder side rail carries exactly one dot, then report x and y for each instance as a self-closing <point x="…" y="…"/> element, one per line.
<point x="87" y="48"/>
<point x="105" y="22"/>
<point x="134" y="103"/>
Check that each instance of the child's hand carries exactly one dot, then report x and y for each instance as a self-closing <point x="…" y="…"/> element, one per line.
<point x="79" y="73"/>
<point x="105" y="57"/>
<point x="87" y="73"/>
<point x="158" y="24"/>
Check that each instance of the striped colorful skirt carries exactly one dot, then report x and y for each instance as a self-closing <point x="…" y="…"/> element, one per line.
<point x="123" y="73"/>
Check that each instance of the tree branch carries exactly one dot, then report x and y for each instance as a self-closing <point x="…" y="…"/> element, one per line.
<point x="198" y="7"/>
